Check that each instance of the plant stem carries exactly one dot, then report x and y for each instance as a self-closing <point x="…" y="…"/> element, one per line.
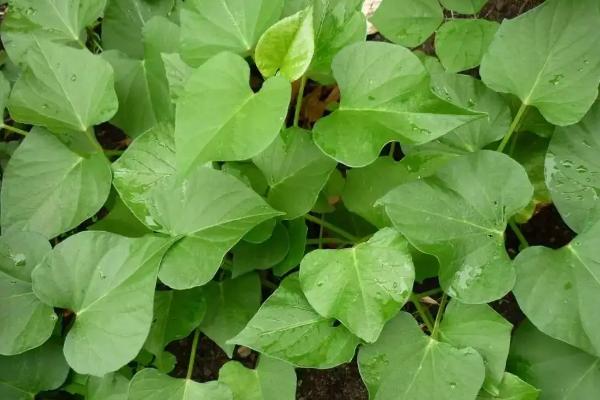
<point x="513" y="126"/>
<point x="392" y="149"/>
<point x="515" y="228"/>
<point x="428" y="293"/>
<point x="110" y="153"/>
<point x="299" y="99"/>
<point x="423" y="312"/>
<point x="14" y="130"/>
<point x="327" y="241"/>
<point x="438" y="316"/>
<point x="193" y="354"/>
<point x="321" y="231"/>
<point x="332" y="228"/>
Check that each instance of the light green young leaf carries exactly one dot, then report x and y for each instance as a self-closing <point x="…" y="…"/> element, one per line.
<point x="230" y="305"/>
<point x="177" y="73"/>
<point x="249" y="256"/>
<point x="124" y="22"/>
<point x="149" y="384"/>
<point x="287" y="47"/>
<point x="287" y="328"/>
<point x="558" y="289"/>
<point x="63" y="89"/>
<point x="270" y="380"/>
<point x="296" y="171"/>
<point x="108" y="281"/>
<point x="461" y="43"/>
<point x="464" y="6"/>
<point x="561" y="78"/>
<point x="176" y="314"/>
<point x="408" y="22"/>
<point x="479" y="327"/>
<point x="512" y="388"/>
<point x="27" y="322"/>
<point x="209" y="27"/>
<point x="218" y="109"/>
<point x="363" y="287"/>
<point x="49" y="189"/>
<point x="405" y="364"/>
<point x="297" y="231"/>
<point x="393" y="104"/>
<point x="59" y="21"/>
<point x="25" y="375"/>
<point x="560" y="371"/>
<point x="459" y="215"/>
<point x="573" y="171"/>
<point x="113" y="386"/>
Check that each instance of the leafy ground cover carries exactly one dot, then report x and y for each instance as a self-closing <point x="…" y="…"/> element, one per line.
<point x="254" y="200"/>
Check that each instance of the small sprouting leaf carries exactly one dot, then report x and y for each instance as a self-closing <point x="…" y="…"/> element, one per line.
<point x="408" y="22"/>
<point x="461" y="43"/>
<point x="27" y="322"/>
<point x="512" y="388"/>
<point x="108" y="282"/>
<point x="49" y="189"/>
<point x="385" y="97"/>
<point x="459" y="215"/>
<point x="59" y="21"/>
<point x="113" y="386"/>
<point x="560" y="371"/>
<point x="230" y="305"/>
<point x="362" y="287"/>
<point x="217" y="110"/>
<point x="405" y="364"/>
<point x="480" y="327"/>
<point x="287" y="47"/>
<point x="296" y="171"/>
<point x="464" y="6"/>
<point x="297" y="231"/>
<point x="572" y="170"/>
<point x="561" y="78"/>
<point x="24" y="375"/>
<point x="287" y="328"/>
<point x="209" y="27"/>
<point x="249" y="256"/>
<point x="558" y="289"/>
<point x="149" y="384"/>
<point x="63" y="89"/>
<point x="270" y="380"/>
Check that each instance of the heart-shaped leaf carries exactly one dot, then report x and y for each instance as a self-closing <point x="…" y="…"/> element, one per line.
<point x="512" y="388"/>
<point x="249" y="256"/>
<point x="561" y="78"/>
<point x="362" y="287"/>
<point x="459" y="215"/>
<point x="112" y="386"/>
<point x="297" y="231"/>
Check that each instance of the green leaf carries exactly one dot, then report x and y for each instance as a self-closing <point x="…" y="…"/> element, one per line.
<point x="271" y="380"/>
<point x="59" y="21"/>
<point x="25" y="375"/>
<point x="249" y="257"/>
<point x="149" y="384"/>
<point x="120" y="220"/>
<point x="296" y="171"/>
<point x="287" y="47"/>
<point x="406" y="364"/>
<point x="49" y="189"/>
<point x="27" y="321"/>
<point x="63" y="89"/>
<point x="461" y="43"/>
<point x="218" y="109"/>
<point x="297" y="231"/>
<point x="124" y="21"/>
<point x="362" y="287"/>
<point x="557" y="289"/>
<point x="261" y="232"/>
<point x="108" y="281"/>
<point x="512" y="388"/>
<point x="572" y="171"/>
<point x="464" y="6"/>
<point x="209" y="27"/>
<point x="176" y="314"/>
<point x="287" y="328"/>
<point x="561" y="78"/>
<point x="408" y="22"/>
<point x="393" y="104"/>
<point x="248" y="173"/>
<point x="177" y="73"/>
<point x="230" y="305"/>
<point x="459" y="215"/>
<point x="112" y="386"/>
<point x="479" y="327"/>
<point x="560" y="371"/>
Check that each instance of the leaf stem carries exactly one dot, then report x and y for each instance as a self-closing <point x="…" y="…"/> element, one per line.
<point x="110" y="153"/>
<point x="423" y="312"/>
<point x="327" y="241"/>
<point x="331" y="227"/>
<point x="515" y="228"/>
<point x="14" y="130"/>
<point x="190" y="368"/>
<point x="513" y="127"/>
<point x="438" y="316"/>
<point x="321" y="231"/>
<point x="392" y="149"/>
<point x="299" y="99"/>
<point x="428" y="293"/>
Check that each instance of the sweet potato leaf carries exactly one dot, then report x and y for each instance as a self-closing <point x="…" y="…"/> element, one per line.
<point x="464" y="6"/>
